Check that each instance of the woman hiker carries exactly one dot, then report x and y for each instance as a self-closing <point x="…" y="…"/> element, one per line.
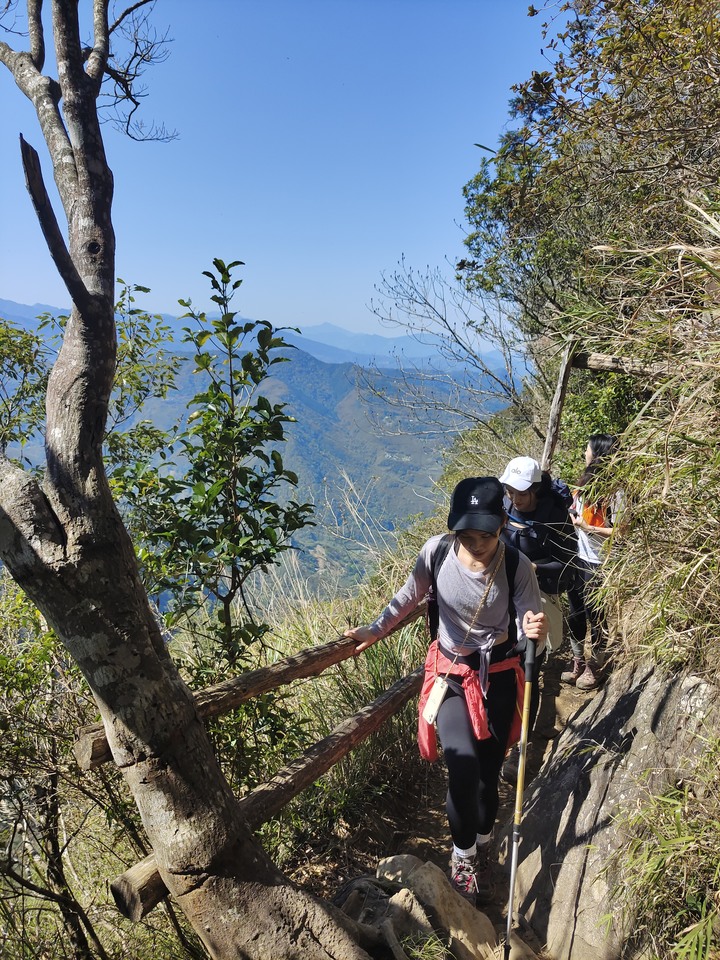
<point x="488" y="608"/>
<point x="540" y="527"/>
<point x="594" y="525"/>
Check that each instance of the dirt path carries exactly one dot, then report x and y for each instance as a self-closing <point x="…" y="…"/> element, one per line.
<point x="427" y="836"/>
<point x="430" y="839"/>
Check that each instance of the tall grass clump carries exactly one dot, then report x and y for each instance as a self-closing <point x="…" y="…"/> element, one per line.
<point x="386" y="765"/>
<point x="662" y="575"/>
<point x="670" y="872"/>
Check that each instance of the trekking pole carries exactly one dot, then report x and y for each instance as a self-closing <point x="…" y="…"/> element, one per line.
<point x="524" y="729"/>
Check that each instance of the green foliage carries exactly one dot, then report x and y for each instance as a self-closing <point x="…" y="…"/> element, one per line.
<point x="24" y="368"/>
<point x="212" y="513"/>
<point x="669" y="870"/>
<point x="255" y="739"/>
<point x="145" y="370"/>
<point x="605" y="146"/>
<point x="594" y="404"/>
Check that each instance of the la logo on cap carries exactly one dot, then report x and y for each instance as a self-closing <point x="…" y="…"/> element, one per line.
<point x="474" y="501"/>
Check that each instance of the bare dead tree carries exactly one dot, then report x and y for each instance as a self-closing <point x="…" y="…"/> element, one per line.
<point x="481" y="360"/>
<point x="64" y="542"/>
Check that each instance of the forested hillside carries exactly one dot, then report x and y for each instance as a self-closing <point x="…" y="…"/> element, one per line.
<point x="350" y="449"/>
<point x="365" y="454"/>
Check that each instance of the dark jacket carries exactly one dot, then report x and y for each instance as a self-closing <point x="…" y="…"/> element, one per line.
<point x="547" y="537"/>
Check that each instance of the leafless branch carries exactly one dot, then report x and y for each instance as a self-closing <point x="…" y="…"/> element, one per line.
<point x="37" y="34"/>
<point x="129" y="11"/>
<point x="146" y="47"/>
<point x="481" y="356"/>
<point x="7" y="7"/>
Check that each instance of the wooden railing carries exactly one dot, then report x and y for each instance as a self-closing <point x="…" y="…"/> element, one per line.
<point x="141" y="888"/>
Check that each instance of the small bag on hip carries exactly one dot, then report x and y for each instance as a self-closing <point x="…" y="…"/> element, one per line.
<point x="437" y="695"/>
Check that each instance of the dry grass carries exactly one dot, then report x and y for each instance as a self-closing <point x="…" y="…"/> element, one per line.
<point x="663" y="571"/>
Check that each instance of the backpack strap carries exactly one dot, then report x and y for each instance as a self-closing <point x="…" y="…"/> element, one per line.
<point x="512" y="559"/>
<point x="437" y="560"/>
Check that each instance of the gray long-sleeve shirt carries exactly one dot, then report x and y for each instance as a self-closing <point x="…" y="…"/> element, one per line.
<point x="459" y="592"/>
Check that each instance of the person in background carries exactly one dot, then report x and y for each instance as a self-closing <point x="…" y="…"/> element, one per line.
<point x="475" y="655"/>
<point x="539" y="526"/>
<point x="593" y="522"/>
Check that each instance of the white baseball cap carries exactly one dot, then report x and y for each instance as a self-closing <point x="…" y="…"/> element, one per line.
<point x="521" y="473"/>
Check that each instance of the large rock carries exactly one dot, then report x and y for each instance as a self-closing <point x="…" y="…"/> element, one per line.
<point x="408" y="916"/>
<point x="519" y="950"/>
<point x="471" y="934"/>
<point x="639" y="734"/>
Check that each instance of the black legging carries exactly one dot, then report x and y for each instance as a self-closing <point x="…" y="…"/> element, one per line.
<point x="474" y="765"/>
<point x="584" y="606"/>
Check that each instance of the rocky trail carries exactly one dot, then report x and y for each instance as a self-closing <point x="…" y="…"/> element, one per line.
<point x="426" y="836"/>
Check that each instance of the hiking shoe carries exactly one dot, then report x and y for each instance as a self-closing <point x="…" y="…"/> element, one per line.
<point x="463" y="877"/>
<point x="575" y="672"/>
<point x="511" y="765"/>
<point x="483" y="875"/>
<point x="589" y="680"/>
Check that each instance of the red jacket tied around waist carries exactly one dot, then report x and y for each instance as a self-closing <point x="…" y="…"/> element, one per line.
<point x="436" y="663"/>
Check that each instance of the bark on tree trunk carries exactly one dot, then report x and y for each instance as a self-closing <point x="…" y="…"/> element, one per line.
<point x="65" y="544"/>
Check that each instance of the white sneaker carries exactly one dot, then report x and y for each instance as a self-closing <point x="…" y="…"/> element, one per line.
<point x="463" y="877"/>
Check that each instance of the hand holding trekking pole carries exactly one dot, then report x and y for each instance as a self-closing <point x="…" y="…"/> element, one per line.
<point x="535" y="626"/>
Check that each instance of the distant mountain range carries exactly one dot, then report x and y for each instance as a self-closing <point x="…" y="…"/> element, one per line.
<point x="335" y="345"/>
<point x="25" y="314"/>
<point x="324" y="341"/>
<point x="358" y="459"/>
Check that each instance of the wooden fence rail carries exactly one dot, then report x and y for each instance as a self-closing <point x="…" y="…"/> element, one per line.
<point x="141" y="888"/>
<point x="91" y="746"/>
<point x="629" y="365"/>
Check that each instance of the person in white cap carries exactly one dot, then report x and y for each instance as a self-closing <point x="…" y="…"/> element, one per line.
<point x="539" y="526"/>
<point x="475" y="656"/>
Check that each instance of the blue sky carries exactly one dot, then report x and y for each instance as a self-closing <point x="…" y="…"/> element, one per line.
<point x="319" y="141"/>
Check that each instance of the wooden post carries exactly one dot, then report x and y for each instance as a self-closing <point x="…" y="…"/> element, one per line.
<point x="610" y="364"/>
<point x="553" y="429"/>
<point x="590" y="361"/>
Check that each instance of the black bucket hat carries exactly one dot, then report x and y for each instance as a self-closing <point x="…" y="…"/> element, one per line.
<point x="477" y="504"/>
